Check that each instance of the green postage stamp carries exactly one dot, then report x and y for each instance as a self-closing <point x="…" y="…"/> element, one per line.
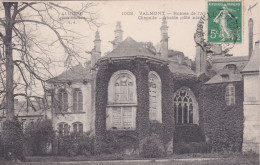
<point x="224" y="21"/>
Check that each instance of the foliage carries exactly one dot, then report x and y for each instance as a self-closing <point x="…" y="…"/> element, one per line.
<point x="28" y="53"/>
<point x="193" y="147"/>
<point x="140" y="67"/>
<point x="120" y="141"/>
<point x="188" y="133"/>
<point x="223" y="124"/>
<point x="152" y="147"/>
<point x="12" y="140"/>
<point x="39" y="135"/>
<point x="76" y="144"/>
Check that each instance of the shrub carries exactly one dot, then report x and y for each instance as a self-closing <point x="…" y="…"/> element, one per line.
<point x="151" y="147"/>
<point x="188" y="148"/>
<point x="39" y="136"/>
<point x="188" y="133"/>
<point x="75" y="144"/>
<point x="120" y="141"/>
<point x="86" y="144"/>
<point x="12" y="140"/>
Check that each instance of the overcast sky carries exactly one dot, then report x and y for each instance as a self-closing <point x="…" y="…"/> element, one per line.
<point x="131" y="13"/>
<point x="181" y="31"/>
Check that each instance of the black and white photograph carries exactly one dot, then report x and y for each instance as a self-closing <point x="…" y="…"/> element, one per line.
<point x="172" y="82"/>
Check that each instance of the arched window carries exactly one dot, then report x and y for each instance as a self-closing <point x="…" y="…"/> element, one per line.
<point x="155" y="105"/>
<point x="230" y="94"/>
<point x="63" y="129"/>
<point x="77" y="100"/>
<point x="185" y="107"/>
<point x="63" y="100"/>
<point x="122" y="101"/>
<point x="78" y="128"/>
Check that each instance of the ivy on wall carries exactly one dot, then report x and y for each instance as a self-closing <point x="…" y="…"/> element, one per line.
<point x="187" y="130"/>
<point x="140" y="68"/>
<point x="223" y="124"/>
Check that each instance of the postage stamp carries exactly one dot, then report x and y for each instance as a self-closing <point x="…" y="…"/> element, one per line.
<point x="224" y="22"/>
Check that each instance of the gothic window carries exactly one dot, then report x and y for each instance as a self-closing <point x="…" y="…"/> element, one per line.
<point x="63" y="129"/>
<point x="63" y="100"/>
<point x="77" y="100"/>
<point x="230" y="94"/>
<point x="121" y="108"/>
<point x="123" y="89"/>
<point x="155" y="113"/>
<point x="78" y="128"/>
<point x="185" y="107"/>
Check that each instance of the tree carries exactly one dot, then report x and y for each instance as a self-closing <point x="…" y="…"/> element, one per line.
<point x="25" y="54"/>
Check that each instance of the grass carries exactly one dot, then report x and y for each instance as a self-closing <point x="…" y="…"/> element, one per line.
<point x="191" y="159"/>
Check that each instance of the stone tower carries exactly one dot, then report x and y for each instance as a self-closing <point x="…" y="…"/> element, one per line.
<point x="96" y="51"/>
<point x="164" y="39"/>
<point x="118" y="35"/>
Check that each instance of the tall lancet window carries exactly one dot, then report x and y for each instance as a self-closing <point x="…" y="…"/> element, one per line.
<point x="63" y="100"/>
<point x="155" y="105"/>
<point x="122" y="101"/>
<point x="185" y="107"/>
<point x="77" y="100"/>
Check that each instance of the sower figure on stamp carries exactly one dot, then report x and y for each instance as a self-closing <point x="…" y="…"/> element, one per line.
<point x="221" y="19"/>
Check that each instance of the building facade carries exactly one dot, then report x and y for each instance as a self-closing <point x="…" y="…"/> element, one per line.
<point x="133" y="89"/>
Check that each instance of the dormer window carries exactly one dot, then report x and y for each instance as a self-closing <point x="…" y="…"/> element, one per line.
<point x="231" y="68"/>
<point x="225" y="77"/>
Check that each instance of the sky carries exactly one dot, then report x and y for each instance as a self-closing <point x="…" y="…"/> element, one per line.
<point x="182" y="18"/>
<point x="181" y="31"/>
<point x="131" y="13"/>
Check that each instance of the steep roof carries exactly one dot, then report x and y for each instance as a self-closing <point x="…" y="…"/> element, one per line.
<point x="232" y="76"/>
<point x="230" y="59"/>
<point x="181" y="70"/>
<point x="253" y="64"/>
<point x="75" y="73"/>
<point x="130" y="48"/>
<point x="219" y="63"/>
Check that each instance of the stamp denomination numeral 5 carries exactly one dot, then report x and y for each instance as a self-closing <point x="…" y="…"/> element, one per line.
<point x="213" y="33"/>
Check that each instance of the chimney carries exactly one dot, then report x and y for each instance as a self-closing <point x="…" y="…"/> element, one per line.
<point x="96" y="51"/>
<point x="200" y="60"/>
<point x="164" y="39"/>
<point x="118" y="35"/>
<point x="250" y="36"/>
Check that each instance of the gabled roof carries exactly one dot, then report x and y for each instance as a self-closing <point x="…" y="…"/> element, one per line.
<point x="181" y="70"/>
<point x="253" y="64"/>
<point x="230" y="59"/>
<point x="130" y="48"/>
<point x="76" y="73"/>
<point x="219" y="63"/>
<point x="232" y="77"/>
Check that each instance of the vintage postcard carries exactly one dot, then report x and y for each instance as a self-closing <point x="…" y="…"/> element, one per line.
<point x="135" y="82"/>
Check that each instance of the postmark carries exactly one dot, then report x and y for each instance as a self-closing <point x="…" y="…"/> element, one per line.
<point x="224" y="22"/>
